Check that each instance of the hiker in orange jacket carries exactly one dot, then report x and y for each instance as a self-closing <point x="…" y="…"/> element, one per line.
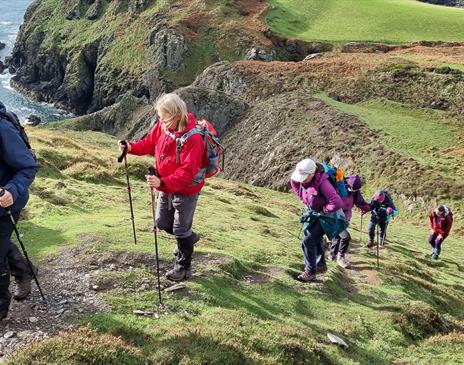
<point x="180" y="177"/>
<point x="441" y="221"/>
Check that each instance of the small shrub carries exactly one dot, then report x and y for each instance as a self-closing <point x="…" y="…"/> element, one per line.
<point x="419" y="320"/>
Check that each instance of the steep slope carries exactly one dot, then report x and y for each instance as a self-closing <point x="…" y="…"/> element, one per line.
<point x="394" y="118"/>
<point x="286" y="120"/>
<point x="243" y="305"/>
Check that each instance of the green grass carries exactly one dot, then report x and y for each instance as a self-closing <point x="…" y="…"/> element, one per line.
<point x="423" y="134"/>
<point x="223" y="317"/>
<point x="392" y="21"/>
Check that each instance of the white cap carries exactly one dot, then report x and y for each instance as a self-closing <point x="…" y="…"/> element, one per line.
<point x="303" y="170"/>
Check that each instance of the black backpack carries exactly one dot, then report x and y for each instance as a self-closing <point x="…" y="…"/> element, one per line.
<point x="13" y="119"/>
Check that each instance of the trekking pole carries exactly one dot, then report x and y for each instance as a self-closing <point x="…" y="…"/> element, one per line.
<point x="152" y="172"/>
<point x="377" y="234"/>
<point x="122" y="156"/>
<point x="384" y="235"/>
<point x="361" y="234"/>
<point x="8" y="211"/>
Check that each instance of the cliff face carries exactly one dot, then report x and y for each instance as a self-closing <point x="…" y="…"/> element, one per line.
<point x="84" y="54"/>
<point x="456" y="3"/>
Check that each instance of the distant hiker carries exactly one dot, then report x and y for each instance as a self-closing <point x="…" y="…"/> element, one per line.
<point x="339" y="245"/>
<point x="17" y="171"/>
<point x="441" y="221"/>
<point x="180" y="176"/>
<point x="311" y="185"/>
<point x="382" y="210"/>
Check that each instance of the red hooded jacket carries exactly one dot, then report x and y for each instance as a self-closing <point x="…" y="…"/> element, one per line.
<point x="175" y="178"/>
<point x="441" y="225"/>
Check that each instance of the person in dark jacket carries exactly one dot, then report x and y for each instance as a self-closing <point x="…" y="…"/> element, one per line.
<point x="339" y="245"/>
<point x="180" y="177"/>
<point x="441" y="221"/>
<point x="17" y="171"/>
<point x="311" y="185"/>
<point x="382" y="209"/>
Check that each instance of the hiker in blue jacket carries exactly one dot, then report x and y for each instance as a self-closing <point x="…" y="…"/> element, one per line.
<point x="17" y="171"/>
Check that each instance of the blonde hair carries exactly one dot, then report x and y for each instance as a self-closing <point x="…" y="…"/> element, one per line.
<point x="174" y="107"/>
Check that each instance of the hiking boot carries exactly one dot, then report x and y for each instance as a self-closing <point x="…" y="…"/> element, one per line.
<point x="343" y="262"/>
<point x="179" y="274"/>
<point x="23" y="288"/>
<point x="196" y="237"/>
<point x="321" y="268"/>
<point x="370" y="244"/>
<point x="23" y="285"/>
<point x="306" y="277"/>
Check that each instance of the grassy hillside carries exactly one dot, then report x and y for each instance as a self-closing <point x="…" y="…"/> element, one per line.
<point x="392" y="21"/>
<point x="243" y="305"/>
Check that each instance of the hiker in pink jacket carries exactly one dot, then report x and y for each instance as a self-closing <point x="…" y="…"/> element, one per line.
<point x="311" y="185"/>
<point x="339" y="245"/>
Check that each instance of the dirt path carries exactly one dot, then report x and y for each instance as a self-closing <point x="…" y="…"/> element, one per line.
<point x="65" y="282"/>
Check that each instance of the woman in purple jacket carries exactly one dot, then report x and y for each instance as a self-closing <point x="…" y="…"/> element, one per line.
<point x="311" y="185"/>
<point x="339" y="245"/>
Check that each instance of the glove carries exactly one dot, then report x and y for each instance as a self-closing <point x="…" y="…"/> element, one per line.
<point x="389" y="210"/>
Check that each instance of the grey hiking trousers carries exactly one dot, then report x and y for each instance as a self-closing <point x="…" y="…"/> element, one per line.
<point x="174" y="214"/>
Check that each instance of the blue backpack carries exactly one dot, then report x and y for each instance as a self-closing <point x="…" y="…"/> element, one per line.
<point x="337" y="179"/>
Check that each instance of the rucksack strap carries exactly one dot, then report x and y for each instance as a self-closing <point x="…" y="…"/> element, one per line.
<point x="13" y="119"/>
<point x="181" y="140"/>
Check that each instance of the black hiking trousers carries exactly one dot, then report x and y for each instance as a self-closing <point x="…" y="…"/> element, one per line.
<point x="381" y="219"/>
<point x="6" y="230"/>
<point x="340" y="244"/>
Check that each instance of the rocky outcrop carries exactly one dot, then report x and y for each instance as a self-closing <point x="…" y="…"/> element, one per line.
<point x="133" y="117"/>
<point x="217" y="107"/>
<point x="224" y="77"/>
<point x="117" y="119"/>
<point x="137" y="6"/>
<point x="169" y="47"/>
<point x="2" y="45"/>
<point x="295" y="49"/>
<point x="95" y="10"/>
<point x="3" y="67"/>
<point x="260" y="54"/>
<point x="456" y="3"/>
<point x="33" y="120"/>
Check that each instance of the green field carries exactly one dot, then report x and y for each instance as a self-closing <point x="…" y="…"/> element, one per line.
<point x="244" y="306"/>
<point x="428" y="136"/>
<point x="392" y="21"/>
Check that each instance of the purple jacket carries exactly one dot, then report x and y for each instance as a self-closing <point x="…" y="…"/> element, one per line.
<point x="350" y="201"/>
<point x="319" y="195"/>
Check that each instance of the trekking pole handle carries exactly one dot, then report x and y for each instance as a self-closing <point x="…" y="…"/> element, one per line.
<point x="123" y="153"/>
<point x="8" y="211"/>
<point x="151" y="171"/>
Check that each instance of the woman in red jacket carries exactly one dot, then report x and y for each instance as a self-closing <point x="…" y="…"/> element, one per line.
<point x="441" y="220"/>
<point x="180" y="176"/>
